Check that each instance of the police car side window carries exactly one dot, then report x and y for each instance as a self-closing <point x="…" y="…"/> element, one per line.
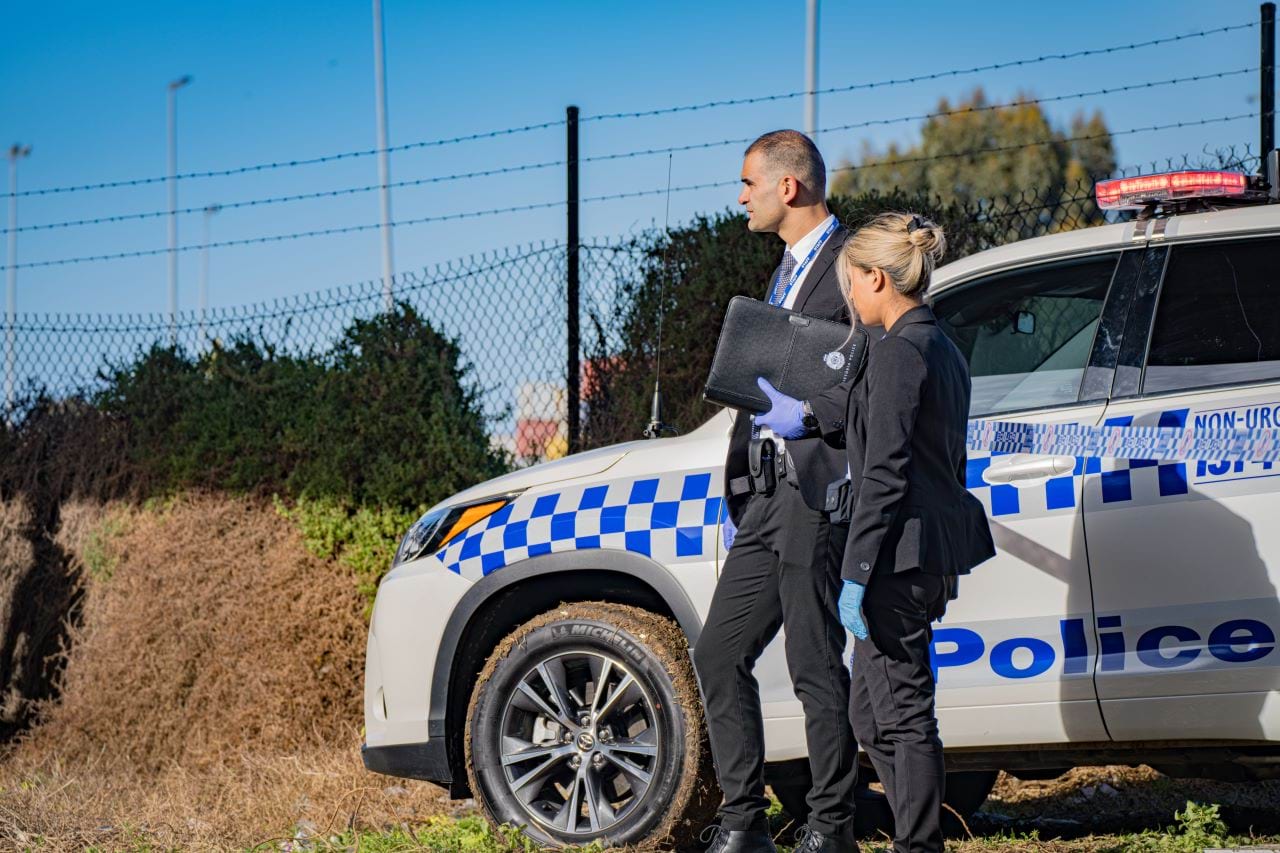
<point x="1217" y="321"/>
<point x="1027" y="334"/>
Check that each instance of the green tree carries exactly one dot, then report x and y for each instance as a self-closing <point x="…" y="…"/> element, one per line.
<point x="974" y="151"/>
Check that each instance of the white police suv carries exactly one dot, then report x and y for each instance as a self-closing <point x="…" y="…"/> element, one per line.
<point x="530" y="645"/>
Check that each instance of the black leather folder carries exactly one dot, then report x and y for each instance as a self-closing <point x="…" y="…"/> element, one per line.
<point x="801" y="356"/>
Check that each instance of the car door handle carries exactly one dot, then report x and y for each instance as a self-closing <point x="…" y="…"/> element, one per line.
<point x="1024" y="470"/>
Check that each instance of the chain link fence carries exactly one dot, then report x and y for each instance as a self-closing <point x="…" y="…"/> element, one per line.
<point x="507" y="310"/>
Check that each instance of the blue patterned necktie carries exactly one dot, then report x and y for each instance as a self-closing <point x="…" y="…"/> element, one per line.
<point x="782" y="278"/>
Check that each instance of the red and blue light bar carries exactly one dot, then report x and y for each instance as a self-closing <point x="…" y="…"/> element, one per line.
<point x="1144" y="190"/>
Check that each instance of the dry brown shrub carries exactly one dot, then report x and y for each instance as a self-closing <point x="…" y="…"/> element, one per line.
<point x="212" y="695"/>
<point x="15" y="547"/>
<point x="217" y="631"/>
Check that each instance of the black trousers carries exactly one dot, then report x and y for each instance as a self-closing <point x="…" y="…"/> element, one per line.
<point x="891" y="701"/>
<point x="783" y="568"/>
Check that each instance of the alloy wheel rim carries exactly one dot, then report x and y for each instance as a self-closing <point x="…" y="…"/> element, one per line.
<point x="579" y="742"/>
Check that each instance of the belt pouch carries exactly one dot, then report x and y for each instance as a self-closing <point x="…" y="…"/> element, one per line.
<point x="762" y="462"/>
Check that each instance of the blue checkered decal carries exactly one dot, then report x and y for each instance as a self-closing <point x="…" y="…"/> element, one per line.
<point x="1116" y="478"/>
<point x="1171" y="477"/>
<point x="672" y="518"/>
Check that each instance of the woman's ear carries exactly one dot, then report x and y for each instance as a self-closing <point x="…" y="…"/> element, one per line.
<point x="881" y="279"/>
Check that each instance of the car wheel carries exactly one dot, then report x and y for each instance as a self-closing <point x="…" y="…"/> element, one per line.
<point x="966" y="791"/>
<point x="585" y="725"/>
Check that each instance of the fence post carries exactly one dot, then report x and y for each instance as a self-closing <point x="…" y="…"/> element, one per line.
<point x="574" y="371"/>
<point x="1267" y="100"/>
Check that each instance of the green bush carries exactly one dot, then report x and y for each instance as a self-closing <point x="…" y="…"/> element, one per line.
<point x="387" y="417"/>
<point x="363" y="538"/>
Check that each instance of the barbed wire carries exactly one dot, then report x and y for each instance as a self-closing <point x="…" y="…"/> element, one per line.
<point x="351" y="229"/>
<point x="938" y="75"/>
<point x="975" y="152"/>
<point x="1112" y="90"/>
<point x="348" y="229"/>
<point x="284" y="164"/>
<point x="153" y="214"/>
<point x="505" y="170"/>
<point x="239" y="170"/>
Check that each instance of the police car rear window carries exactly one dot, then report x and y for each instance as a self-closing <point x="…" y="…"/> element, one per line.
<point x="1217" y="322"/>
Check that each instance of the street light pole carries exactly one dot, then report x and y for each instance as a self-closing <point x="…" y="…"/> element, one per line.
<point x="811" y="72"/>
<point x="16" y="152"/>
<point x="384" y="164"/>
<point x="174" y="86"/>
<point x="204" y="265"/>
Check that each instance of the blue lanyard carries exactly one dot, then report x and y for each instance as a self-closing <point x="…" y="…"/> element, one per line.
<point x="822" y="239"/>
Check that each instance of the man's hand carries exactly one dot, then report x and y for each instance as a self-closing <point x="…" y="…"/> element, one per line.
<point x="851" y="609"/>
<point x="786" y="415"/>
<point x="728" y="531"/>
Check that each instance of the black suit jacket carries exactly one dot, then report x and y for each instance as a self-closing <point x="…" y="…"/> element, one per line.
<point x="816" y="463"/>
<point x="907" y="418"/>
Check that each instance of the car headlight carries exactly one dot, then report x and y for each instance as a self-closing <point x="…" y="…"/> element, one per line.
<point x="435" y="529"/>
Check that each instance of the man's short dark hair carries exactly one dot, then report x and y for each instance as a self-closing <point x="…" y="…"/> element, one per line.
<point x="790" y="152"/>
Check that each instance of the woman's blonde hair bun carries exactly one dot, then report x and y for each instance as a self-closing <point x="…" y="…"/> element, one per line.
<point x="907" y="246"/>
<point x="927" y="237"/>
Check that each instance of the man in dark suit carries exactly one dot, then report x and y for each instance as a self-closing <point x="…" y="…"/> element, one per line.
<point x="783" y="563"/>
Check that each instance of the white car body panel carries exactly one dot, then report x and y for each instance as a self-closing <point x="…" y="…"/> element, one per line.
<point x="409" y="616"/>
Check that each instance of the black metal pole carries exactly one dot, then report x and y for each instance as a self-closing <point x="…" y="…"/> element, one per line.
<point x="1268" y="80"/>
<point x="574" y="368"/>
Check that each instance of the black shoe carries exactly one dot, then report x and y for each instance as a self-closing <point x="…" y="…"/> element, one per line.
<point x="721" y="840"/>
<point x="809" y="840"/>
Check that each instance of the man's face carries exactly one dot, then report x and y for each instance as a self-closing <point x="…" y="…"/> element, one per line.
<point x="761" y="195"/>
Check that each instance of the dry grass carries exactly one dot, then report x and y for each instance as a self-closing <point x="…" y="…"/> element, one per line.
<point x="211" y="697"/>
<point x="256" y="798"/>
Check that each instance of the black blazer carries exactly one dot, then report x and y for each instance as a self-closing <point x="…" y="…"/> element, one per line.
<point x="816" y="463"/>
<point x="907" y="419"/>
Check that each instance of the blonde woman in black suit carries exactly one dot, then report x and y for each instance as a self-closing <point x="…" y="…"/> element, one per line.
<point x="913" y="526"/>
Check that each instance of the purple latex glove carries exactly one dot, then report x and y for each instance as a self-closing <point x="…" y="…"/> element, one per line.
<point x="728" y="531"/>
<point x="850" y="605"/>
<point x="786" y="415"/>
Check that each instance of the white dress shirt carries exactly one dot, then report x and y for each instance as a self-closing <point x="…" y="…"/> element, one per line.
<point x="799" y="251"/>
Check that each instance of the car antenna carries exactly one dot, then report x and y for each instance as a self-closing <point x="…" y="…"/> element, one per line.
<point x="656" y="428"/>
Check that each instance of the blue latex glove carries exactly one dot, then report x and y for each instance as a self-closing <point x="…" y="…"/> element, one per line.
<point x="851" y="609"/>
<point x="728" y="530"/>
<point x="786" y="417"/>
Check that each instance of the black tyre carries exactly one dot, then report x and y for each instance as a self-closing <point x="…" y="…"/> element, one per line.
<point x="966" y="791"/>
<point x="586" y="725"/>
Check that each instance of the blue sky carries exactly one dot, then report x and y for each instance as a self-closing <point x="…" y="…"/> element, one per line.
<point x="84" y="84"/>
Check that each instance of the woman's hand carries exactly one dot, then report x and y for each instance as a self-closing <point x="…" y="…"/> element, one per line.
<point x="851" y="609"/>
<point x="786" y="415"/>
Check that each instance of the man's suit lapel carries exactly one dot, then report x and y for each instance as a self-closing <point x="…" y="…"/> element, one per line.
<point x="821" y="265"/>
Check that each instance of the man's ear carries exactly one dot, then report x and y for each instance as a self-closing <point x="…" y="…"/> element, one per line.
<point x="788" y="189"/>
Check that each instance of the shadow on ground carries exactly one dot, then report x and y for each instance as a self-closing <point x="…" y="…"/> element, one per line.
<point x="1110" y="800"/>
